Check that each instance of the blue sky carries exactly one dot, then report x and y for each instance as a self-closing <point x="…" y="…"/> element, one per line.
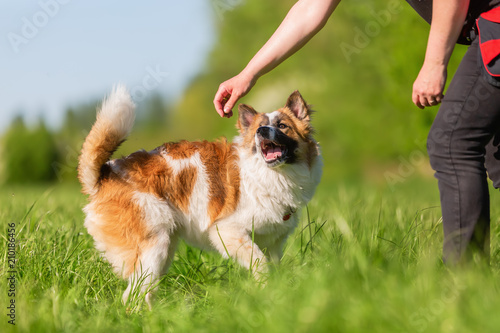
<point x="57" y="53"/>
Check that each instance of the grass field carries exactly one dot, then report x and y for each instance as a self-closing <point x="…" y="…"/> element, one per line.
<point x="364" y="259"/>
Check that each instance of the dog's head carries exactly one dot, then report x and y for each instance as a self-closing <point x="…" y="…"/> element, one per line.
<point x="280" y="137"/>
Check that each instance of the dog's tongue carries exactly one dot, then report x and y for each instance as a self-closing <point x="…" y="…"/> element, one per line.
<point x="273" y="153"/>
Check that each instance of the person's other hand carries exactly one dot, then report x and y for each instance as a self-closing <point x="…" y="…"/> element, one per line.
<point x="230" y="92"/>
<point x="429" y="86"/>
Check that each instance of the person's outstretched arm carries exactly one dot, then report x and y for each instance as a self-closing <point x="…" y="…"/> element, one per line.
<point x="301" y="23"/>
<point x="448" y="17"/>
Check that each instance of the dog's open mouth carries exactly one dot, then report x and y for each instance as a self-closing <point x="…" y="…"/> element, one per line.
<point x="272" y="152"/>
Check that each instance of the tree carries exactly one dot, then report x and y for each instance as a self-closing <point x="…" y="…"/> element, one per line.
<point x="28" y="154"/>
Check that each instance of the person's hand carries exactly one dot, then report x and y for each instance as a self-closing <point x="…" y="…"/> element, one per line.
<point x="230" y="92"/>
<point x="429" y="86"/>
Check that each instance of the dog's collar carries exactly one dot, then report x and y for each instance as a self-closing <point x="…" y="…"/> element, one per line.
<point x="287" y="216"/>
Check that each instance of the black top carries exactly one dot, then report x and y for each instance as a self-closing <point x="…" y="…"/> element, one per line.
<point x="476" y="7"/>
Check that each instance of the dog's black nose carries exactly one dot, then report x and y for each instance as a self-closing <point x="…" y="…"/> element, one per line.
<point x="263" y="130"/>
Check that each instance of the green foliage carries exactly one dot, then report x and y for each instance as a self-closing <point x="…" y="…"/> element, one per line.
<point x="28" y="153"/>
<point x="38" y="154"/>
<point x="152" y="115"/>
<point x="361" y="260"/>
<point x="69" y="138"/>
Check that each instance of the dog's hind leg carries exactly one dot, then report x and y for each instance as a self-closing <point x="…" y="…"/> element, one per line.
<point x="152" y="264"/>
<point x="155" y="250"/>
<point x="236" y="243"/>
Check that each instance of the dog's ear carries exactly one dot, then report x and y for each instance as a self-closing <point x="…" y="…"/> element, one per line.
<point x="246" y="116"/>
<point x="298" y="106"/>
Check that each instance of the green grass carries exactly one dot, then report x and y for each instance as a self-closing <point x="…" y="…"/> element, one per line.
<point x="364" y="259"/>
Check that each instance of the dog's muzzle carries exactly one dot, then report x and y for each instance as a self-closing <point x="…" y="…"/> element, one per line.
<point x="272" y="150"/>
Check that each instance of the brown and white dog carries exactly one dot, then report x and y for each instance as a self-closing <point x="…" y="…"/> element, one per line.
<point x="214" y="195"/>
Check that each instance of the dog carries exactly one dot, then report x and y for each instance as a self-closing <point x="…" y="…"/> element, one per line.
<point x="241" y="199"/>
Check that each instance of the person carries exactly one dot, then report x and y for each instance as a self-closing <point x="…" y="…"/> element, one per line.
<point x="460" y="141"/>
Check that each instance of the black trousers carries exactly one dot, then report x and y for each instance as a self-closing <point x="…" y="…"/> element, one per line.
<point x="463" y="149"/>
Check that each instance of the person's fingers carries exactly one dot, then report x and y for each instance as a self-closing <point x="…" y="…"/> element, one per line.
<point x="433" y="100"/>
<point x="425" y="101"/>
<point x="439" y="98"/>
<point x="422" y="102"/>
<point x="220" y="100"/>
<point x="228" y="107"/>
<point x="416" y="100"/>
<point x="218" y="107"/>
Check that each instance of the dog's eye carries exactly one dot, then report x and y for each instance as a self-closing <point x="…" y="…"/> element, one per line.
<point x="282" y="126"/>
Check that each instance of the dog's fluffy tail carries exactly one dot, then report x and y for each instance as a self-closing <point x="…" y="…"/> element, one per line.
<point x="113" y="124"/>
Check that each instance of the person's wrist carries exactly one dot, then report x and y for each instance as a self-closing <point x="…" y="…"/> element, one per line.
<point x="249" y="76"/>
<point x="434" y="65"/>
<point x="436" y="59"/>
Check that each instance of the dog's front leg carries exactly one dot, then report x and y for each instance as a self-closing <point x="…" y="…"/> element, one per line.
<point x="235" y="242"/>
<point x="275" y="250"/>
